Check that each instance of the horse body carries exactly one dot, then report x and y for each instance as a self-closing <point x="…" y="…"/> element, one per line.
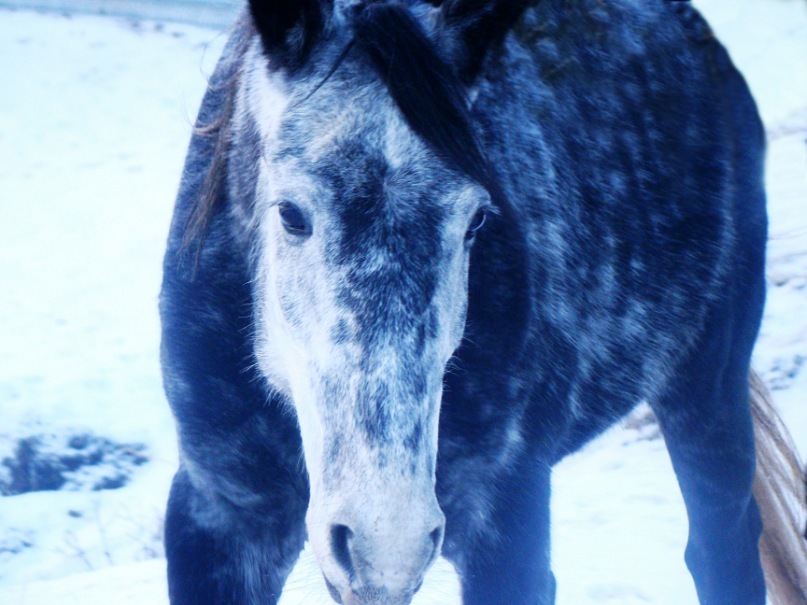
<point x="341" y="262"/>
<point x="642" y="222"/>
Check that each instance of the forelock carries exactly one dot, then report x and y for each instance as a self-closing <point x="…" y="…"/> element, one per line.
<point x="425" y="88"/>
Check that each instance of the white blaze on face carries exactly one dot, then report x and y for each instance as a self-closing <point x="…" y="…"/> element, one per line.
<point x="296" y="315"/>
<point x="264" y="94"/>
<point x="284" y="349"/>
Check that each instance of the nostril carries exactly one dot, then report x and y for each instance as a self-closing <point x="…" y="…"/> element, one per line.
<point x="341" y="536"/>
<point x="436" y="536"/>
<point x="334" y="593"/>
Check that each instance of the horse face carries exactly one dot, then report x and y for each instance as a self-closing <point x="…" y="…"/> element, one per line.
<point x="363" y="240"/>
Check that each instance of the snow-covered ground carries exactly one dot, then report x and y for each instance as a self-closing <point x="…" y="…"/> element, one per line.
<point x="95" y="115"/>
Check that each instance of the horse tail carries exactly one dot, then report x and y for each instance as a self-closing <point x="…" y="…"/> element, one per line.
<point x="779" y="490"/>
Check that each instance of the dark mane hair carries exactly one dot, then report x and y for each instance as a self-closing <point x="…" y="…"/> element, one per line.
<point x="216" y="129"/>
<point x="425" y="87"/>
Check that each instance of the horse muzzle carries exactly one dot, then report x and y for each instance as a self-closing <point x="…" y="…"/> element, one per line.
<point x="381" y="559"/>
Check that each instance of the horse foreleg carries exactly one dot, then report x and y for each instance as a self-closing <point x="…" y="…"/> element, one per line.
<point x="215" y="558"/>
<point x="508" y="564"/>
<point x="706" y="421"/>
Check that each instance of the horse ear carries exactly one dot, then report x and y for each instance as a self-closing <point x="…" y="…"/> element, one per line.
<point x="289" y="28"/>
<point x="476" y="26"/>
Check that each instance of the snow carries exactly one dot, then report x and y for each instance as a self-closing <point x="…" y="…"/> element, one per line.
<point x="94" y="120"/>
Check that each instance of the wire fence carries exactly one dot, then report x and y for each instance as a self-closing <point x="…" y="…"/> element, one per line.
<point x="214" y="13"/>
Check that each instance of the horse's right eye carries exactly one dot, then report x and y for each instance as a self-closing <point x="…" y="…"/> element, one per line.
<point x="476" y="224"/>
<point x="294" y="220"/>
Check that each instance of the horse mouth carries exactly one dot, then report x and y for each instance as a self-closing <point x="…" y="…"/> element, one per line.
<point x="370" y="599"/>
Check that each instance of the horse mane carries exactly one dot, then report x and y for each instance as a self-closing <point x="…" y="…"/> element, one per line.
<point x="216" y="133"/>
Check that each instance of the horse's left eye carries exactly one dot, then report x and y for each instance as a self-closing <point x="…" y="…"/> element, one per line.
<point x="294" y="220"/>
<point x="476" y="224"/>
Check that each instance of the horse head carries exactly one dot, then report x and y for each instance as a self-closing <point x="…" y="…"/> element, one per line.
<point x="370" y="192"/>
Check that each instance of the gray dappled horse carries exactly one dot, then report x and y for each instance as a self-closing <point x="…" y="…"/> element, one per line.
<point x="422" y="251"/>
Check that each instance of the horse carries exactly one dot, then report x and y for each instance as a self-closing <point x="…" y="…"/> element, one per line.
<point x="424" y="249"/>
